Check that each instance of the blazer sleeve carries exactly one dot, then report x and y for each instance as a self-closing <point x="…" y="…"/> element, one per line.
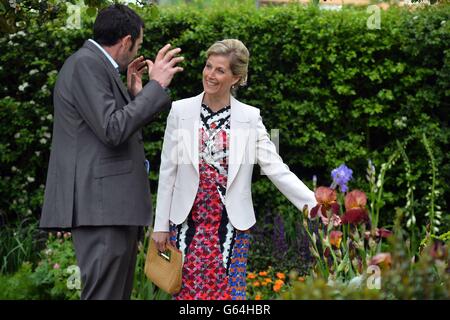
<point x="94" y="100"/>
<point x="272" y="165"/>
<point x="167" y="175"/>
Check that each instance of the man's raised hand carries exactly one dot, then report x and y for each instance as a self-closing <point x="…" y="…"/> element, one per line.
<point x="165" y="65"/>
<point x="134" y="75"/>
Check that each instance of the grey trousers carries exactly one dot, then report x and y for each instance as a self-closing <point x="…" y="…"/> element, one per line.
<point x="106" y="256"/>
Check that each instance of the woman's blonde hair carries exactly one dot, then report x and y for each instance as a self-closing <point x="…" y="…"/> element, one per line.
<point x="238" y="54"/>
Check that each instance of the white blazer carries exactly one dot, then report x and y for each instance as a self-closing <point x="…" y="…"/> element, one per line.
<point x="249" y="143"/>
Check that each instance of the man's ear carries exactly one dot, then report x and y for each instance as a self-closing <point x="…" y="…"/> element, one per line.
<point x="126" y="42"/>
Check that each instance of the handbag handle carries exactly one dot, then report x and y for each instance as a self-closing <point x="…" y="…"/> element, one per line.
<point x="165" y="255"/>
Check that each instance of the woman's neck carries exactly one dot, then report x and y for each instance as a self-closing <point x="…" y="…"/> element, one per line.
<point x="216" y="103"/>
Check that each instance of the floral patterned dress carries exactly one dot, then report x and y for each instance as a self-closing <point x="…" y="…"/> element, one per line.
<point x="214" y="252"/>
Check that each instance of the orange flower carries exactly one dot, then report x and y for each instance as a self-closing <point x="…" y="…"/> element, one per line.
<point x="355" y="216"/>
<point x="281" y="275"/>
<point x="276" y="287"/>
<point x="326" y="200"/>
<point x="263" y="273"/>
<point x="268" y="280"/>
<point x="258" y="297"/>
<point x="325" y="195"/>
<point x="355" y="205"/>
<point x="279" y="282"/>
<point x="301" y="279"/>
<point x="251" y="275"/>
<point x="256" y="284"/>
<point x="336" y="238"/>
<point x="382" y="259"/>
<point x="355" y="199"/>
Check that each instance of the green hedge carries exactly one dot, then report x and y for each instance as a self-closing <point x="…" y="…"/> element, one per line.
<point x="337" y="91"/>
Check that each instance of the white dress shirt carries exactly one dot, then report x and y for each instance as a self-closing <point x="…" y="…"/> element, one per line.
<point x="114" y="63"/>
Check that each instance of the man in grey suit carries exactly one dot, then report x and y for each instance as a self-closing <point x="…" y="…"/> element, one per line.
<point x="97" y="184"/>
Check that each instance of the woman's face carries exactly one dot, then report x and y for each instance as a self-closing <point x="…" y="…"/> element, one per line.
<point x="217" y="76"/>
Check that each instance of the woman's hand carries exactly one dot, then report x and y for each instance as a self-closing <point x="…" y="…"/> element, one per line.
<point x="161" y="240"/>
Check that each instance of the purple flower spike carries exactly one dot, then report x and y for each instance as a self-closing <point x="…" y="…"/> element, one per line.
<point x="341" y="176"/>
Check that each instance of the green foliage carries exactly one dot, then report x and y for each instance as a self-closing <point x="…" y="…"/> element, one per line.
<point x="20" y="242"/>
<point x="16" y="15"/>
<point x="19" y="286"/>
<point x="55" y="277"/>
<point x="425" y="277"/>
<point x="206" y="4"/>
<point x="338" y="93"/>
<point x="320" y="289"/>
<point x="24" y="146"/>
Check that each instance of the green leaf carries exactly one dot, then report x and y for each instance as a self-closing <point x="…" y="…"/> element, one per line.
<point x="91" y="11"/>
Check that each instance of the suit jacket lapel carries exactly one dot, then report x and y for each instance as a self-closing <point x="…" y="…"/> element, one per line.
<point x="190" y="125"/>
<point x="112" y="71"/>
<point x="239" y="134"/>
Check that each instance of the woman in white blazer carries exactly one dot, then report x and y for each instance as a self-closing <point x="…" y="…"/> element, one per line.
<point x="204" y="202"/>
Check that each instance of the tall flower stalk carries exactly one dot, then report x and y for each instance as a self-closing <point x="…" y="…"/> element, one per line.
<point x="433" y="214"/>
<point x="378" y="201"/>
<point x="409" y="205"/>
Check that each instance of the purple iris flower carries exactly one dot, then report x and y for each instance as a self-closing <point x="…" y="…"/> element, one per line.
<point x="341" y="176"/>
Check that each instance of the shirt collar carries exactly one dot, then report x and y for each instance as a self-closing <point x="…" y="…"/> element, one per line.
<point x="113" y="62"/>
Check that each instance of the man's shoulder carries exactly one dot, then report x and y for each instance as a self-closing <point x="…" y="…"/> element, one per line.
<point x="83" y="56"/>
<point x="86" y="56"/>
<point x="83" y="65"/>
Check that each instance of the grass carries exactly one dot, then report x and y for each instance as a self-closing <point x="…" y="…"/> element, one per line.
<point x="19" y="242"/>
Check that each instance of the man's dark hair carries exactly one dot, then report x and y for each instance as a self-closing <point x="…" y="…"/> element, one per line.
<point x="115" y="22"/>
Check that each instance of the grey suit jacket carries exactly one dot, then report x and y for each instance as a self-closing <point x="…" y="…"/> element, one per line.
<point x="96" y="173"/>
